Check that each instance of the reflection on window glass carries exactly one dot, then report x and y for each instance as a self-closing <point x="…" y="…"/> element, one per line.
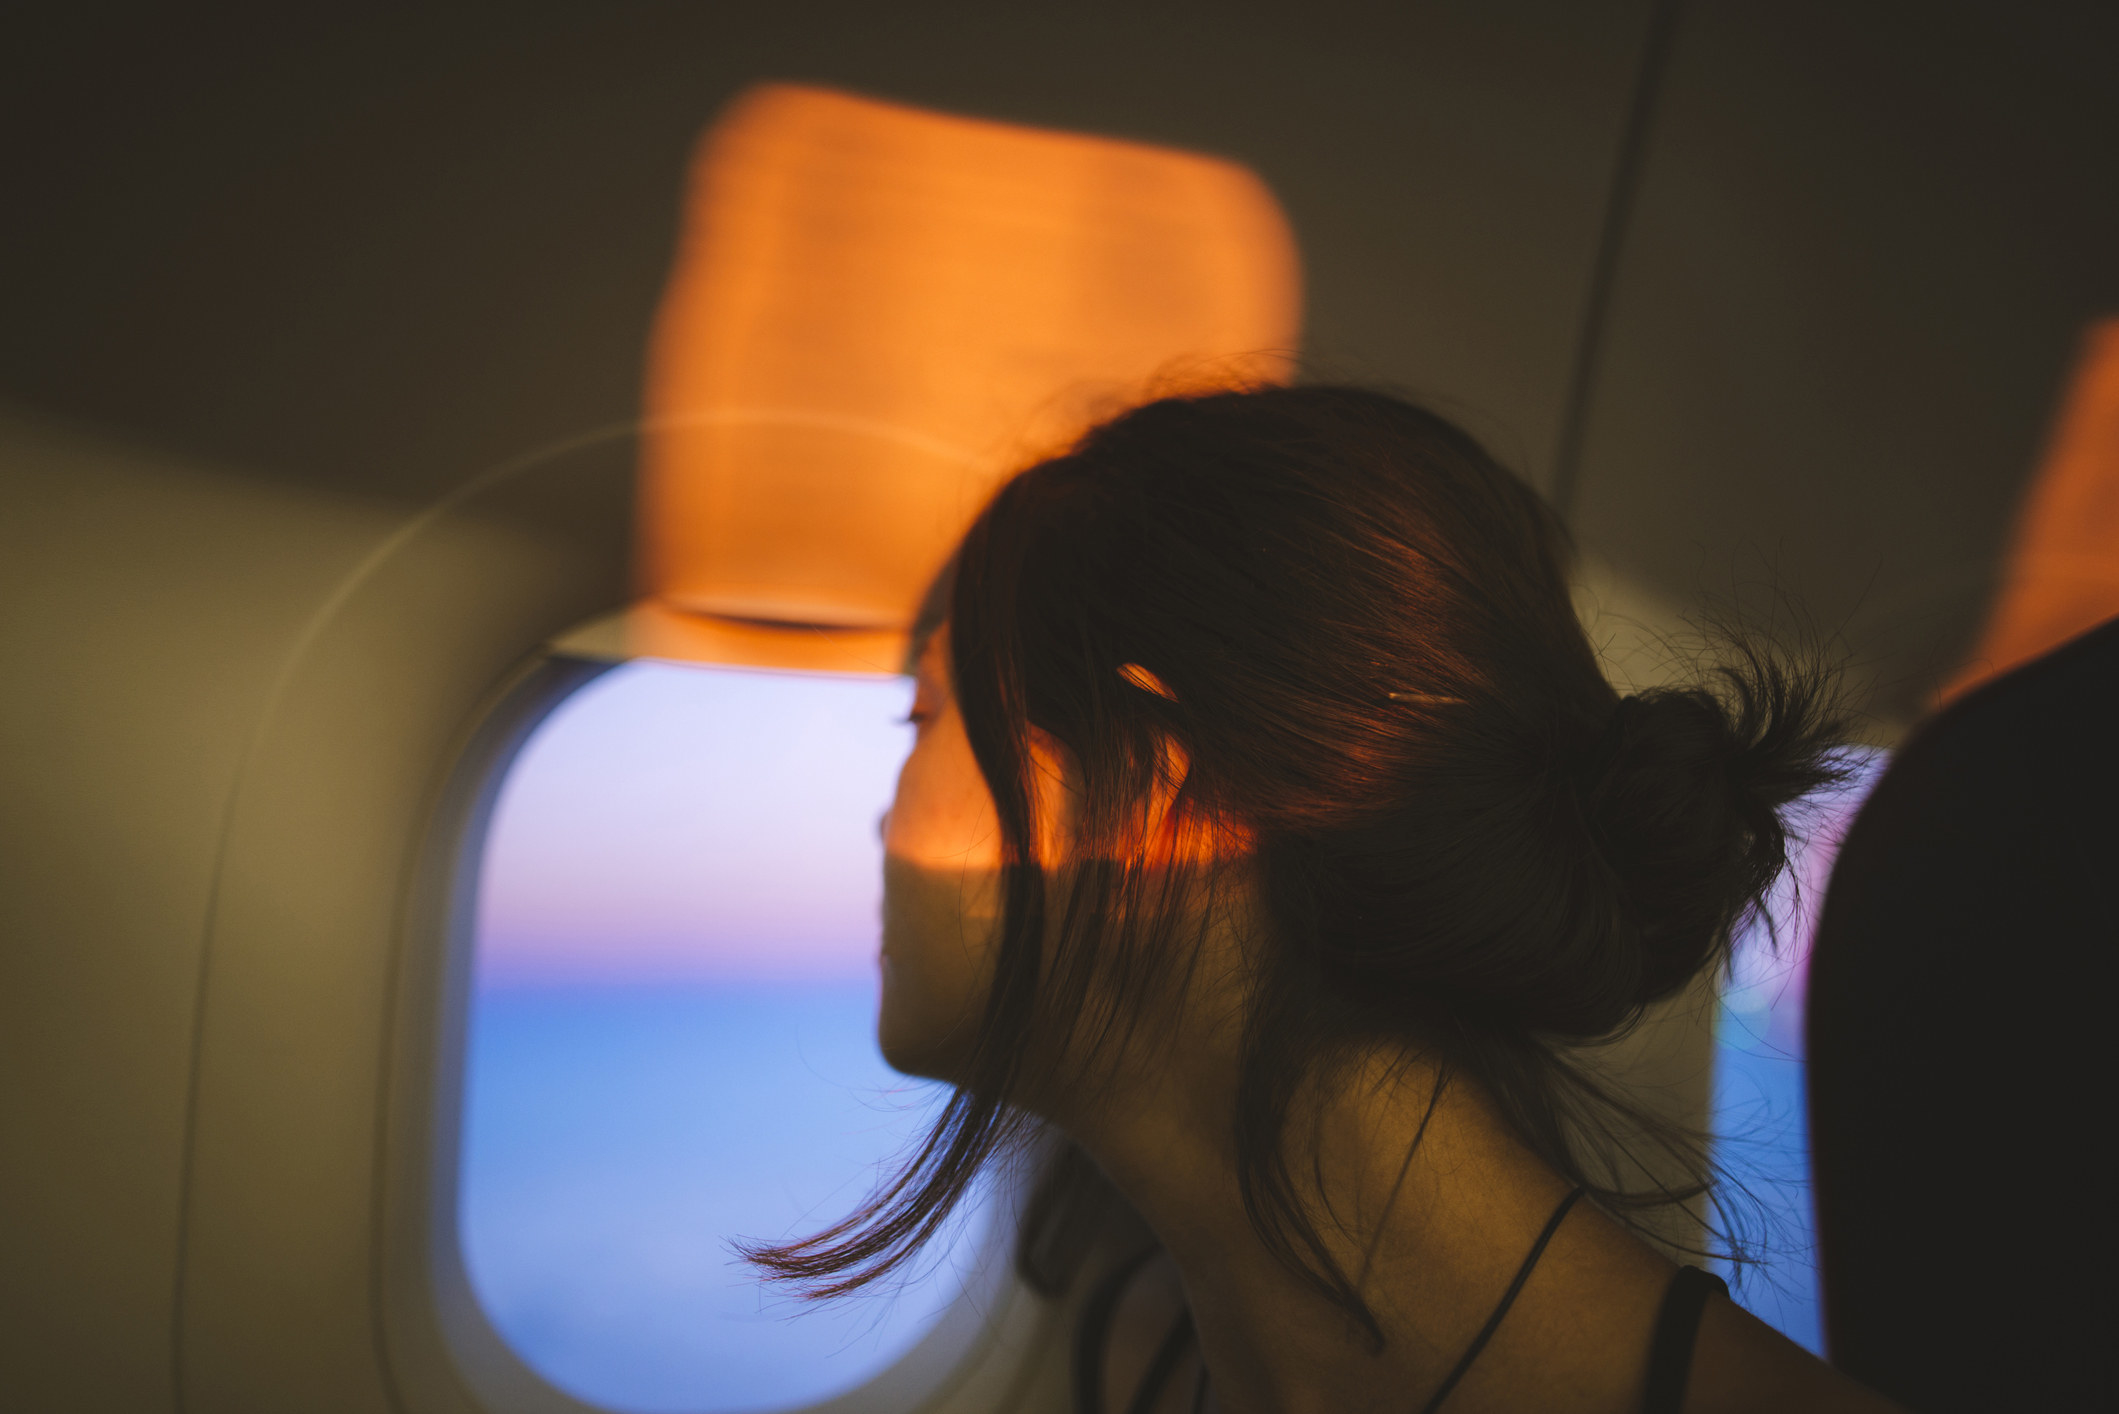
<point x="671" y="1038"/>
<point x="1760" y="1113"/>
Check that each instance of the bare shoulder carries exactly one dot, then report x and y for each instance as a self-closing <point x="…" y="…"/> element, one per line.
<point x="1744" y="1366"/>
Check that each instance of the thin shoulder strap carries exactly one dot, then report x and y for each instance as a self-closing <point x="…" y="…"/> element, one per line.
<point x="1677" y="1328"/>
<point x="1493" y="1322"/>
<point x="1092" y="1337"/>
<point x="1163" y="1365"/>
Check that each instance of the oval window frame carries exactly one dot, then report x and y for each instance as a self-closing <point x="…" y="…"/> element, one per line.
<point x="978" y="1354"/>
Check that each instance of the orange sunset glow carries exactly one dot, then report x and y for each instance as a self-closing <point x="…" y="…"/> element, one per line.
<point x="875" y="313"/>
<point x="2061" y="577"/>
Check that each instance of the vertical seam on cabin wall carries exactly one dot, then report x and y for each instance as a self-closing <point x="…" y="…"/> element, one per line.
<point x="296" y="655"/>
<point x="1634" y="137"/>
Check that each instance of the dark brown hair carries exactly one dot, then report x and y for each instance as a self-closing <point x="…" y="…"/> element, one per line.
<point x="1464" y="839"/>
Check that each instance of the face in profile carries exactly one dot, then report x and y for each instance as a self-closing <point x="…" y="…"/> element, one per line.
<point x="942" y="852"/>
<point x="941" y="886"/>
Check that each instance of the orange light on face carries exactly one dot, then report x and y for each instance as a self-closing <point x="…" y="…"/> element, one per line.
<point x="2061" y="577"/>
<point x="877" y="312"/>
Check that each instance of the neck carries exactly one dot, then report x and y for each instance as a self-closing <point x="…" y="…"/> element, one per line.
<point x="1430" y="1236"/>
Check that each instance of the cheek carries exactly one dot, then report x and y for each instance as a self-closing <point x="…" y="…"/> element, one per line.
<point x="942" y="816"/>
<point x="941" y="885"/>
<point x="939" y="927"/>
<point x="941" y="900"/>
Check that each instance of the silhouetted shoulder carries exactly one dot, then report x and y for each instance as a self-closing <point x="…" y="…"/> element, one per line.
<point x="1958" y="992"/>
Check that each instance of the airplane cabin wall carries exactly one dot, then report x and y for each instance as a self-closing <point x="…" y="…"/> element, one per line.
<point x="147" y="607"/>
<point x="359" y="262"/>
<point x="305" y="282"/>
<point x="1866" y="245"/>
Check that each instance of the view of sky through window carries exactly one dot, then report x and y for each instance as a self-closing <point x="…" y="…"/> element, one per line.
<point x="1760" y="1114"/>
<point x="671" y="1040"/>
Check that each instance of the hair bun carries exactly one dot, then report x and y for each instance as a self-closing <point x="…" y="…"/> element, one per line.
<point x="1682" y="793"/>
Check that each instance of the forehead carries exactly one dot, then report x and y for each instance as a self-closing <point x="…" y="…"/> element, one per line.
<point x="931" y="667"/>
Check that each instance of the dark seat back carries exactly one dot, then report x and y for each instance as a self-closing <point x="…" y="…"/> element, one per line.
<point x="1960" y="1048"/>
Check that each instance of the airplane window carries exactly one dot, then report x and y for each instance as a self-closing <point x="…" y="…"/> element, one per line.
<point x="671" y="1039"/>
<point x="876" y="311"/>
<point x="1759" y="1110"/>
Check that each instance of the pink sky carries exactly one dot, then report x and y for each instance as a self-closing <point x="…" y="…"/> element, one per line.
<point x="695" y="824"/>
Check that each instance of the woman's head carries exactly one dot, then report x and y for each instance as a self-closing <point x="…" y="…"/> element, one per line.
<point x="943" y="861"/>
<point x="1320" y="629"/>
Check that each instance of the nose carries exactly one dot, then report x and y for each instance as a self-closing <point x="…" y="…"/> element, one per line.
<point x="883" y="826"/>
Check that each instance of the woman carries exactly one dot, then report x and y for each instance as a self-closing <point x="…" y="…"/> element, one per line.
<point x="1271" y="832"/>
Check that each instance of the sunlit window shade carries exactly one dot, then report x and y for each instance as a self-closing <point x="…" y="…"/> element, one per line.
<point x="2061" y="577"/>
<point x="875" y="313"/>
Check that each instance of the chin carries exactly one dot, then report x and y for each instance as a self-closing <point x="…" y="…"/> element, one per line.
<point x="911" y="1045"/>
<point x="918" y="1062"/>
<point x="931" y="988"/>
